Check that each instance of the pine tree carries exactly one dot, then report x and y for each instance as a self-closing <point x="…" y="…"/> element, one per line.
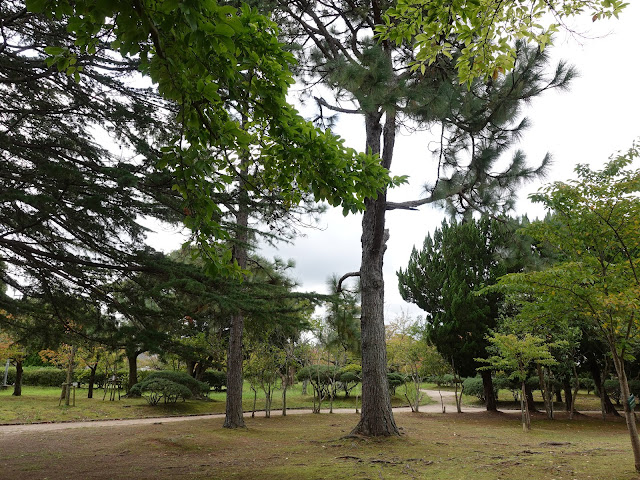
<point x="71" y="209"/>
<point x="334" y="43"/>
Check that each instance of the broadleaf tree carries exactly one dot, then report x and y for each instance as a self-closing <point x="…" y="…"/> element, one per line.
<point x="596" y="226"/>
<point x="483" y="31"/>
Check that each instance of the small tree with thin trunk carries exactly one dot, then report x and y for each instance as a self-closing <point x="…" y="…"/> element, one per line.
<point x="518" y="355"/>
<point x="596" y="227"/>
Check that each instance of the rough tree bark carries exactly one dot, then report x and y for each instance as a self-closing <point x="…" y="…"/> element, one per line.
<point x="233" y="411"/>
<point x="629" y="414"/>
<point x="530" y="401"/>
<point x="17" y="386"/>
<point x="132" y="359"/>
<point x="489" y="395"/>
<point x="92" y="379"/>
<point x="376" y="417"/>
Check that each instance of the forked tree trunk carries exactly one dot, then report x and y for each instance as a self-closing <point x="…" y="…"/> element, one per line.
<point x="547" y="397"/>
<point x="17" y="386"/>
<point x="568" y="395"/>
<point x="629" y="415"/>
<point x="376" y="417"/>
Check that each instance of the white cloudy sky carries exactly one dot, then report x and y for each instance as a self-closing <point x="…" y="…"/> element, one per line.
<point x="598" y="116"/>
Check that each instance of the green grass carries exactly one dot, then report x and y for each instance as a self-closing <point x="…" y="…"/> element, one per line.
<point x="40" y="404"/>
<point x="453" y="446"/>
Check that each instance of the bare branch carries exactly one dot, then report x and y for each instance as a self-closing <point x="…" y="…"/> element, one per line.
<point x="335" y="108"/>
<point x="410" y="205"/>
<point x="343" y="278"/>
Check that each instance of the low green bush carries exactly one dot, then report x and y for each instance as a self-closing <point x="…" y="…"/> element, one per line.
<point x="395" y="380"/>
<point x="158" y="388"/>
<point x="37" y="376"/>
<point x="473" y="386"/>
<point x="198" y="389"/>
<point x="216" y="379"/>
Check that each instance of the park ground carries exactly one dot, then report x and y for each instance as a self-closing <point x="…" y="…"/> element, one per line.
<point x="474" y="445"/>
<point x="448" y="446"/>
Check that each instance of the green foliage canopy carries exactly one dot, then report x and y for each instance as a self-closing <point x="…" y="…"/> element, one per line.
<point x="481" y="33"/>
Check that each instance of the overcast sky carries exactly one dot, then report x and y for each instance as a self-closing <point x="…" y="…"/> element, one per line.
<point x="598" y="116"/>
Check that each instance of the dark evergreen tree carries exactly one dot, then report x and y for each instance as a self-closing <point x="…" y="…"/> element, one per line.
<point x="444" y="278"/>
<point x="71" y="209"/>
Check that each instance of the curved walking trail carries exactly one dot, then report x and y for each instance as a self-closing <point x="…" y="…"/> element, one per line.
<point x="447" y="398"/>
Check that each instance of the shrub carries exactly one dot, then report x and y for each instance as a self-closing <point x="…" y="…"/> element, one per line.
<point x="395" y="380"/>
<point x="198" y="389"/>
<point x="155" y="389"/>
<point x="39" y="376"/>
<point x="473" y="386"/>
<point x="612" y="387"/>
<point x="215" y="378"/>
<point x="587" y="383"/>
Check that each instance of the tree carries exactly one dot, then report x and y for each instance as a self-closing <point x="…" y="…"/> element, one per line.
<point x="11" y="350"/>
<point x="595" y="226"/>
<point x="411" y="356"/>
<point x="70" y="207"/>
<point x="517" y="355"/>
<point x="335" y="46"/>
<point x="482" y="34"/>
<point x="444" y="279"/>
<point x="225" y="77"/>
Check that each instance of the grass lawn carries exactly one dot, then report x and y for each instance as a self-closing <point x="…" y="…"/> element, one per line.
<point x="40" y="404"/>
<point x="476" y="446"/>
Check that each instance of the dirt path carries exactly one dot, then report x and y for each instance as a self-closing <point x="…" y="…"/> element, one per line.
<point x="447" y="398"/>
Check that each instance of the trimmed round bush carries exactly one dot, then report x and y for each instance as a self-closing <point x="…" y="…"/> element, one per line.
<point x="216" y="379"/>
<point x="473" y="386"/>
<point x="395" y="380"/>
<point x="198" y="389"/>
<point x="156" y="389"/>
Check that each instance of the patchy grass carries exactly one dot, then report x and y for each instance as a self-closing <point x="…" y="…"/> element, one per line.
<point x="40" y="404"/>
<point x="433" y="446"/>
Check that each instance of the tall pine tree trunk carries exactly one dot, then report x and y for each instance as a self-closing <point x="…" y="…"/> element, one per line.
<point x="233" y="411"/>
<point x="376" y="418"/>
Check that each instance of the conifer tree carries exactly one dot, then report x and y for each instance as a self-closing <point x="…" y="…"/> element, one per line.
<point x="335" y="45"/>
<point x="444" y="278"/>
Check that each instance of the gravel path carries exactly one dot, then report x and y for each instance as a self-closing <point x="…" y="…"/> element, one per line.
<point x="447" y="398"/>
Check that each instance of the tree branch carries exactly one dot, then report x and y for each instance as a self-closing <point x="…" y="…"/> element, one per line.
<point x="343" y="278"/>
<point x="335" y="108"/>
<point x="410" y="205"/>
